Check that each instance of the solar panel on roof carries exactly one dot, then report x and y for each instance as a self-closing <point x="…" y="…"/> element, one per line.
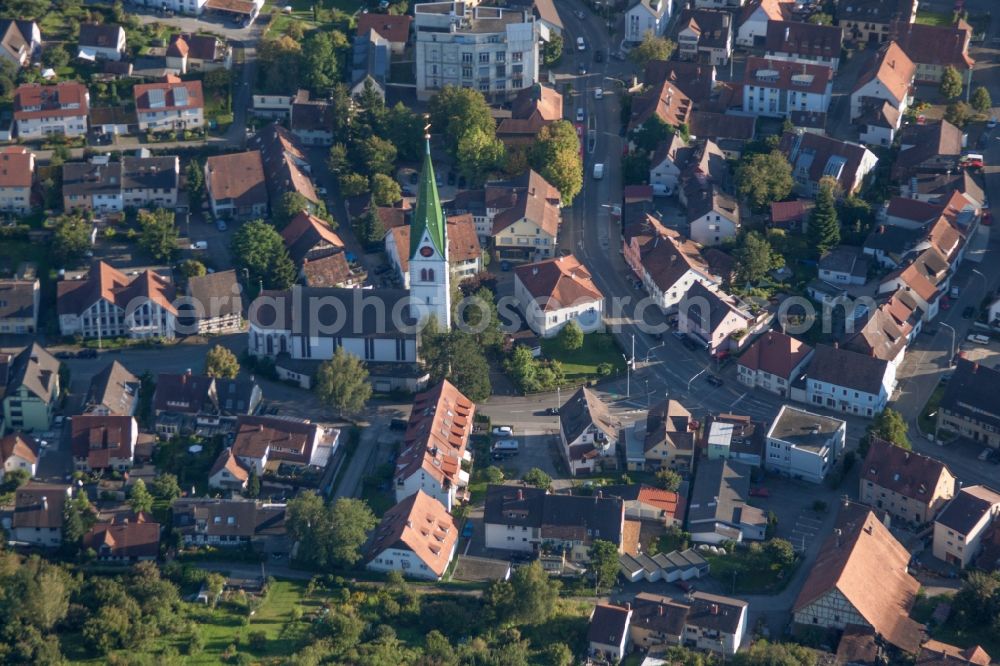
<point x="156" y="98"/>
<point x="180" y="96"/>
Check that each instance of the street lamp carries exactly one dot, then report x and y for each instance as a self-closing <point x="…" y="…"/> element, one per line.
<point x="985" y="281"/>
<point x="696" y="376"/>
<point x="650" y="351"/>
<point x="951" y="358"/>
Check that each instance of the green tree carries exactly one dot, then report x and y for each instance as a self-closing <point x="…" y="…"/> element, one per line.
<point x="259" y="249"/>
<point x="604" y="564"/>
<point x="158" y="236"/>
<point x="165" y="487"/>
<point x="477" y="313"/>
<point x="253" y="483"/>
<point x="55" y="56"/>
<point x="478" y="154"/>
<point x="555" y="155"/>
<point x="353" y="184"/>
<point x="981" y="100"/>
<point x="552" y="50"/>
<point x="405" y="129"/>
<point x="537" y="478"/>
<point x="192" y="268"/>
<point x="288" y="206"/>
<point x="820" y="18"/>
<point x="139" y="498"/>
<point x="764" y="653"/>
<point x="385" y="190"/>
<point x="651" y="133"/>
<point x="329" y="535"/>
<point x="779" y="552"/>
<point x="890" y="426"/>
<point x="279" y="68"/>
<point x="668" y="479"/>
<point x="535" y="594"/>
<point x="468" y="370"/>
<point x="78" y="518"/>
<point x="321" y="60"/>
<point x="558" y="654"/>
<point x="336" y="160"/>
<point x="755" y="258"/>
<point x="70" y="239"/>
<point x="951" y="83"/>
<point x="376" y="155"/>
<point x="214" y="584"/>
<point x="765" y="178"/>
<point x="493" y="474"/>
<point x="342" y="382"/>
<point x="571" y="336"/>
<point x="977" y="602"/>
<point x="824" y="227"/>
<point x="958" y="114"/>
<point x="651" y="48"/>
<point x="194" y="174"/>
<point x="456" y="111"/>
<point x="370" y="229"/>
<point x="221" y="363"/>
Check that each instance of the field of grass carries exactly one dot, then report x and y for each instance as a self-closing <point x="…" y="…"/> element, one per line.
<point x="741" y="574"/>
<point x="581" y="365"/>
<point x="935" y="18"/>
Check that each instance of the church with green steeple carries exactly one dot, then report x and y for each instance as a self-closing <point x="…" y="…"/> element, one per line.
<point x="430" y="288"/>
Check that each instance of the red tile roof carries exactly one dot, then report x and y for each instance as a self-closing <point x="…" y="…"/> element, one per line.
<point x="787" y="75"/>
<point x="131" y="537"/>
<point x="893" y="68"/>
<point x="437" y="434"/>
<point x="17" y="167"/>
<point x="420" y="524"/>
<point x="775" y="353"/>
<point x="558" y="283"/>
<point x="110" y="284"/>
<point x="395" y="29"/>
<point x="99" y="439"/>
<point x="195" y="99"/>
<point x="66" y="99"/>
<point x="20" y="445"/>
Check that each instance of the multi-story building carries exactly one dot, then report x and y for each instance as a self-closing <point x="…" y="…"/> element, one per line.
<point x="970" y="406"/>
<point x="703" y="621"/>
<point x="524" y="218"/>
<point x="93" y="186"/>
<point x="492" y="49"/>
<point x="17" y="171"/>
<point x="101" y="41"/>
<point x="772" y="362"/>
<point x="41" y="111"/>
<point x="589" y="433"/>
<point x="19" y="301"/>
<point x="465" y="254"/>
<point x="874" y="21"/>
<point x="712" y="317"/>
<point x="32" y="388"/>
<point x="888" y="79"/>
<point x="216" y="300"/>
<point x="814" y="157"/>
<point x="846" y="381"/>
<point x="18" y="451"/>
<point x="235" y="185"/>
<point x="934" y="48"/>
<point x="20" y="41"/>
<point x="803" y="445"/>
<point x="150" y="181"/>
<point x="38" y="514"/>
<point x="170" y="105"/>
<point x="101" y="443"/>
<point x="804" y="43"/>
<point x="650" y="16"/>
<point x="114" y="391"/>
<point x="773" y="87"/>
<point x="556" y="291"/>
<point x="705" y="35"/>
<point x="228" y="523"/>
<point x="670" y="437"/>
<point x="264" y="443"/>
<point x="417" y="537"/>
<point x="959" y="528"/>
<point x="906" y="485"/>
<point x="186" y="403"/>
<point x="718" y="510"/>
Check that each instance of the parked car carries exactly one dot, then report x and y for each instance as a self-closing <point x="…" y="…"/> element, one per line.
<point x="760" y="491"/>
<point x="985" y="454"/>
<point x="503" y="430"/>
<point x="582" y="68"/>
<point x="680" y="336"/>
<point x="714" y="380"/>
<point x="580" y="44"/>
<point x="87" y="353"/>
<point x="598" y="93"/>
<point x="199" y="245"/>
<point x="552" y="411"/>
<point x="321" y="191"/>
<point x="579" y="114"/>
<point x="221" y="225"/>
<point x="64" y="354"/>
<point x="468" y="529"/>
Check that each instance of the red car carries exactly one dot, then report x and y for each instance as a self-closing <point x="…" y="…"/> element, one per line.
<point x="987" y="218"/>
<point x="760" y="491"/>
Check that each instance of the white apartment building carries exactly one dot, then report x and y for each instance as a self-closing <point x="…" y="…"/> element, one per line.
<point x="172" y="105"/>
<point x="846" y="381"/>
<point x="491" y="49"/>
<point x="959" y="528"/>
<point x="647" y="16"/>
<point x="778" y="87"/>
<point x="803" y="445"/>
<point x="41" y="111"/>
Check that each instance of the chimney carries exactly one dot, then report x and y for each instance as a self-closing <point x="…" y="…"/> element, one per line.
<point x="520" y="494"/>
<point x="975" y="367"/>
<point x="45" y="503"/>
<point x="714" y="609"/>
<point x="628" y="605"/>
<point x="534" y="270"/>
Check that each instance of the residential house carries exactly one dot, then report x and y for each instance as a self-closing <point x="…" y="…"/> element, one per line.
<point x="417" y="537"/>
<point x="756" y="15"/>
<point x="665" y="98"/>
<point x="101" y="443"/>
<point x="719" y="4"/>
<point x="713" y="318"/>
<point x="589" y="433"/>
<point x="906" y="485"/>
<point x="718" y="510"/>
<point x="113" y="120"/>
<point x="846" y="381"/>
<point x="804" y="43"/>
<point x="814" y="157"/>
<point x="548" y="15"/>
<point x="114" y="391"/>
<point x="216" y="302"/>
<point x="888" y="79"/>
<point x="705" y="35"/>
<point x="878" y="123"/>
<point x="18" y="451"/>
<point x="556" y="291"/>
<point x="38" y="514"/>
<point x="526" y="223"/>
<point x="647" y="16"/>
<point x="31" y="381"/>
<point x="17" y="171"/>
<point x="608" y="634"/>
<point x="844" y="264"/>
<point x="465" y="254"/>
<point x="734" y="437"/>
<point x="874" y="21"/>
<point x="229" y="523"/>
<point x="124" y="539"/>
<point x="803" y="445"/>
<point x="911" y="213"/>
<point x="773" y="87"/>
<point x="712" y="213"/>
<point x="435" y="445"/>
<point x="109" y="304"/>
<point x="370" y="69"/>
<point x="532" y="109"/>
<point x="934" y="48"/>
<point x="643" y="502"/>
<point x="20" y="41"/>
<point x="791" y="215"/>
<point x="886" y="332"/>
<point x="101" y="41"/>
<point x="188" y="52"/>
<point x="773" y="362"/>
<point x="169" y="105"/>
<point x="702" y="621"/>
<point x="281" y="330"/>
<point x="665" y="262"/>
<point x="235" y="185"/>
<point x="272" y="106"/>
<point x="669" y="442"/>
<point x="970" y="406"/>
<point x="59" y="110"/>
<point x="227" y="472"/>
<point x="940" y="187"/>
<point x="185" y="402"/>
<point x="960" y="526"/>
<point x="286" y="165"/>
<point x="839" y="592"/>
<point x="265" y="443"/>
<point x="526" y="519"/>
<point x="936" y="653"/>
<point x="666" y="164"/>
<point x="150" y="181"/>
<point x="924" y="279"/>
<point x="394" y="29"/>
<point x="454" y="41"/>
<point x="19" y="303"/>
<point x="93" y="186"/>
<point x="313" y="120"/>
<point x="932" y="147"/>
<point x="890" y="245"/>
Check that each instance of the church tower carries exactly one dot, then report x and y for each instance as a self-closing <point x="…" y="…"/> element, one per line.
<point x="430" y="283"/>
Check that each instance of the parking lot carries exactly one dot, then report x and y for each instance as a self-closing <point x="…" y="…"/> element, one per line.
<point x="536" y="448"/>
<point x="793" y="504"/>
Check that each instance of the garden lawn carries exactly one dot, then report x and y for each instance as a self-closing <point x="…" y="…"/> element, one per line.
<point x="567" y="625"/>
<point x="581" y="365"/>
<point x="750" y="576"/>
<point x="935" y="18"/>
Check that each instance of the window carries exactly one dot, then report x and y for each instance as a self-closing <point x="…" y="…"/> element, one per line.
<point x="484" y="58"/>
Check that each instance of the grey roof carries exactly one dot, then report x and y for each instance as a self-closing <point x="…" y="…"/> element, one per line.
<point x="236" y="396"/>
<point x="968" y="507"/>
<point x="585" y="409"/>
<point x="233" y="518"/>
<point x="100" y="35"/>
<point x="804" y="430"/>
<point x="845" y="259"/>
<point x="608" y="624"/>
<point x="659" y="614"/>
<point x="710" y="611"/>
<point x="557" y="516"/>
<point x="86" y="179"/>
<point x="338" y="312"/>
<point x="848" y="369"/>
<point x="149" y="173"/>
<point x="35" y="369"/>
<point x="892" y="239"/>
<point x="114" y="388"/>
<point x="669" y="422"/>
<point x="972" y="393"/>
<point x="220" y="294"/>
<point x="721" y="490"/>
<point x="480" y="569"/>
<point x="718" y="307"/>
<point x="370" y="58"/>
<point x="17" y="299"/>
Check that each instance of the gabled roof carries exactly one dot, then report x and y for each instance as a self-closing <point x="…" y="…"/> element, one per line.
<point x="329" y="271"/>
<point x="664" y="100"/>
<point x="160" y="173"/>
<point x="713" y="28"/>
<point x="16" y="38"/>
<point x="115" y="389"/>
<point x="529" y="198"/>
<point x="17" y="299"/>
<point x="543" y="101"/>
<point x="35" y="369"/>
<point x="847" y="259"/>
<point x="236" y="518"/>
<point x="862" y="551"/>
<point x="712" y="125"/>
<point x="720" y="494"/>
<point x="697" y="81"/>
<point x="968" y="507"/>
<point x="609" y="624"/>
<point x="558" y="283"/>
<point x="972" y="393"/>
<point x="237" y="176"/>
<point x="848" y="369"/>
<point x="277" y="438"/>
<point x="421" y="525"/>
<point x="347" y="318"/>
<point x="720" y="306"/>
<point x="40" y="505"/>
<point x="305" y="232"/>
<point x="463" y="241"/>
<point x="775" y="353"/>
<point x="437" y="434"/>
<point x="922" y="275"/>
<point x="787" y="212"/>
<point x="201" y="47"/>
<point x="65" y="99"/>
<point x="931" y="144"/>
<point x="776" y="10"/>
<point x="130" y="537"/>
<point x="17" y="167"/>
<point x="882" y="336"/>
<point x="282" y="157"/>
<point x="787" y="75"/>
<point x="228" y="461"/>
<point x="666" y="255"/>
<point x="808" y="40"/>
<point x="938" y="45"/>
<point x="185" y="393"/>
<point x="913" y="209"/>
<point x="571" y="517"/>
<point x="165" y="96"/>
<point x="892" y="68"/>
<point x="583" y="410"/>
<point x="814" y="156"/>
<point x="98" y="439"/>
<point x="904" y="472"/>
<point x="670" y="423"/>
<point x="394" y="28"/>
<point x="18" y="444"/>
<point x="936" y="653"/>
<point x="220" y="293"/>
<point x="100" y="35"/>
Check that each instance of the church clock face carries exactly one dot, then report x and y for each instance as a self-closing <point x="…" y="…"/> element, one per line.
<point x="426" y="251"/>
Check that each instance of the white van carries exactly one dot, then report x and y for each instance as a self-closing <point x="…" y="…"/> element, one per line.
<point x="505" y="446"/>
<point x="598" y="171"/>
<point x="580" y="44"/>
<point x="978" y="339"/>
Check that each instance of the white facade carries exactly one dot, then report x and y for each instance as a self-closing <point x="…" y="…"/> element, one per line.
<point x="271" y="342"/>
<point x="875" y="89"/>
<point x="713" y="228"/>
<point x="647" y="16"/>
<point x="106" y="52"/>
<point x="170" y="119"/>
<point x="446" y="493"/>
<point x="430" y="280"/>
<point x="15" y="462"/>
<point x="405" y="561"/>
<point x="849" y="400"/>
<point x="753" y="28"/>
<point x="765" y="100"/>
<point x="810" y="463"/>
<point x="490" y="49"/>
<point x="664" y="177"/>
<point x="588" y="314"/>
<point x="960" y="549"/>
<point x="930" y="307"/>
<point x="63" y="124"/>
<point x="146" y="319"/>
<point x="877" y="135"/>
<point x="512" y="537"/>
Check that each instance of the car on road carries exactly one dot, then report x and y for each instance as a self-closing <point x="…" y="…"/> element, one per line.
<point x="221" y="225"/>
<point x="971" y="161"/>
<point x="714" y="380"/>
<point x="985" y="454"/>
<point x="579" y="14"/>
<point x="579" y="114"/>
<point x="503" y="430"/>
<point x="87" y="353"/>
<point x="468" y="529"/>
<point x="552" y="411"/>
<point x="580" y="44"/>
<point x="979" y="339"/>
<point x="992" y="123"/>
<point x="760" y="491"/>
<point x="969" y="312"/>
<point x="598" y="171"/>
<point x="199" y="245"/>
<point x="598" y="93"/>
<point x="955" y="291"/>
<point x="582" y="68"/>
<point x="64" y="354"/>
<point x="598" y="55"/>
